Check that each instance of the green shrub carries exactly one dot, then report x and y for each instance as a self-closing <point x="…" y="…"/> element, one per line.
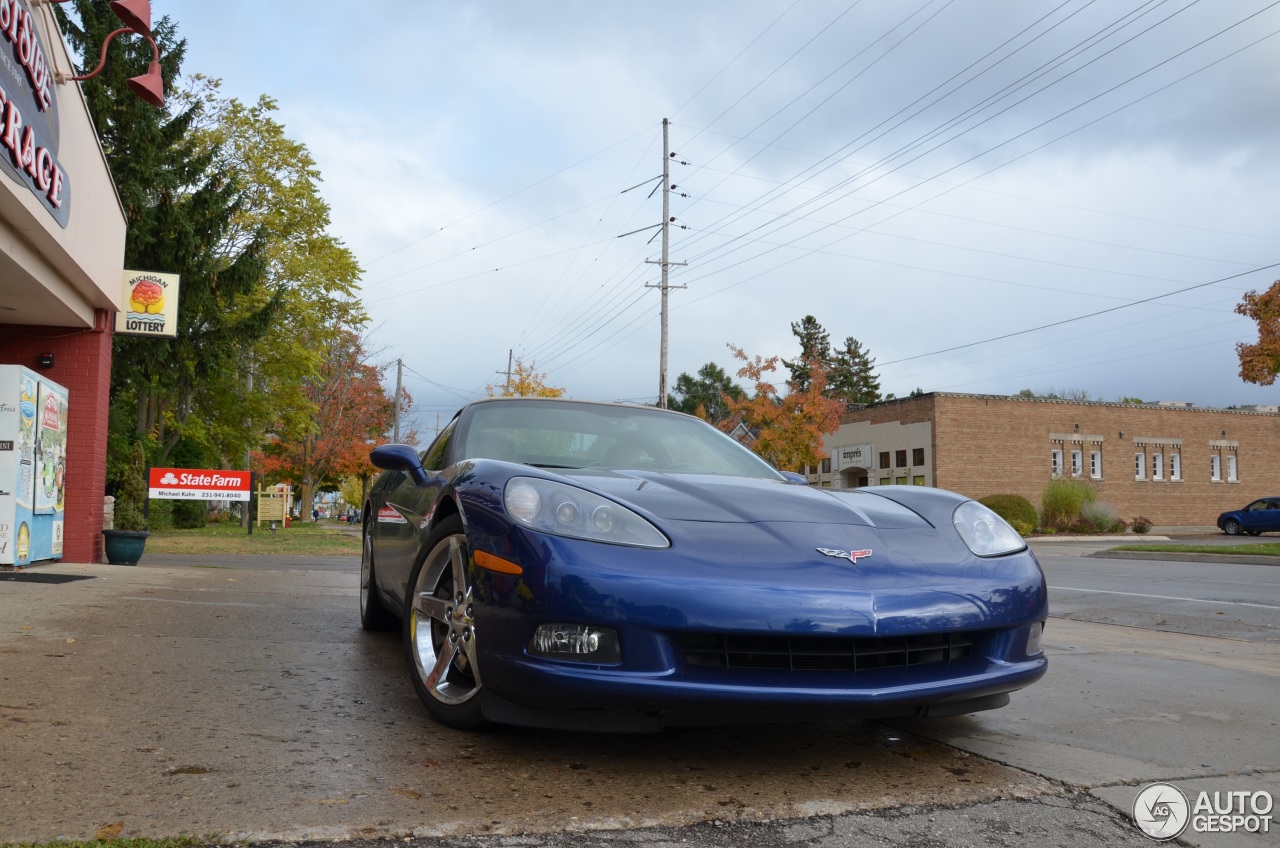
<point x="190" y="515"/>
<point x="1102" y="517"/>
<point x="1063" y="501"/>
<point x="160" y="514"/>
<point x="1012" y="508"/>
<point x="1023" y="528"/>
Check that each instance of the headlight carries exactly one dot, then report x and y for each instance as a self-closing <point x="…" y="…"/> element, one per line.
<point x="569" y="511"/>
<point x="986" y="533"/>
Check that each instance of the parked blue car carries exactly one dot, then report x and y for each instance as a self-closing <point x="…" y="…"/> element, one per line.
<point x="613" y="567"/>
<point x="1261" y="516"/>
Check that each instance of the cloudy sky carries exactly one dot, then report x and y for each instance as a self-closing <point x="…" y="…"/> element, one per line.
<point x="989" y="195"/>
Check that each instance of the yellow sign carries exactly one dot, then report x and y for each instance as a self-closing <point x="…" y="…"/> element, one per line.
<point x="149" y="304"/>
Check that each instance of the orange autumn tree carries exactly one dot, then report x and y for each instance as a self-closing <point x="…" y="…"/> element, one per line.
<point x="787" y="428"/>
<point x="1260" y="363"/>
<point x="351" y="413"/>
<point x="525" y="381"/>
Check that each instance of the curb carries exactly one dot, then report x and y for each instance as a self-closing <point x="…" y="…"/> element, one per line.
<point x="1203" y="559"/>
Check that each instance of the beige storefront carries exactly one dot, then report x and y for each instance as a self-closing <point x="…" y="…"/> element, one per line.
<point x="62" y="234"/>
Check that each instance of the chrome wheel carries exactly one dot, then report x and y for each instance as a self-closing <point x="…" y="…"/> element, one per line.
<point x="440" y="631"/>
<point x="1232" y="527"/>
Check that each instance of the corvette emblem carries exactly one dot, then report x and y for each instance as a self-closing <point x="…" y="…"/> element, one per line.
<point x="852" y="556"/>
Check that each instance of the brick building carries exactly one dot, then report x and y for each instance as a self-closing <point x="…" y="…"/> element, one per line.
<point x="1173" y="463"/>
<point x="62" y="233"/>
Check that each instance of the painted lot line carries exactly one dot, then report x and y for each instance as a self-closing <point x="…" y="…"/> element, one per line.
<point x="1164" y="597"/>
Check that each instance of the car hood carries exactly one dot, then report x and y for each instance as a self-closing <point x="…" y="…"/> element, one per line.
<point x="744" y="500"/>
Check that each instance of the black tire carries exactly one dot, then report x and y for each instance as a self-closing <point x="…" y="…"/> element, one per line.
<point x="439" y="629"/>
<point x="374" y="614"/>
<point x="1254" y="532"/>
<point x="1232" y="527"/>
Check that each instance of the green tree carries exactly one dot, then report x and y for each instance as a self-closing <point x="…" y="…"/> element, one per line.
<point x="815" y="346"/>
<point x="179" y="203"/>
<point x="852" y="377"/>
<point x="707" y="395"/>
<point x="314" y="274"/>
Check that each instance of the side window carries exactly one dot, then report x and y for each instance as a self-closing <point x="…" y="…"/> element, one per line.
<point x="434" y="457"/>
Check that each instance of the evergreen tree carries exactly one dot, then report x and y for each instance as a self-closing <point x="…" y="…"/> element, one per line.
<point x="706" y="395"/>
<point x="178" y="204"/>
<point x="815" y="344"/>
<point x="852" y="377"/>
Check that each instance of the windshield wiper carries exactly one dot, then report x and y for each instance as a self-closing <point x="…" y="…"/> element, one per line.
<point x="550" y="465"/>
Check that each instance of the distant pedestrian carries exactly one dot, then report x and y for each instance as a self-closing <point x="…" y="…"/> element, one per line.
<point x="315" y="514"/>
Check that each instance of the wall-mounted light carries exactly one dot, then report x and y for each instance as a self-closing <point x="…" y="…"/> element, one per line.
<point x="135" y="14"/>
<point x="1122" y="434"/>
<point x="136" y="17"/>
<point x="45" y="360"/>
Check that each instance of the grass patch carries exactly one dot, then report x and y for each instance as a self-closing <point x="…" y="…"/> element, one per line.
<point x="324" y="539"/>
<point x="174" y="842"/>
<point x="1257" y="549"/>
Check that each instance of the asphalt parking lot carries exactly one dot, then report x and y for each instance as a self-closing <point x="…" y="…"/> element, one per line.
<point x="239" y="700"/>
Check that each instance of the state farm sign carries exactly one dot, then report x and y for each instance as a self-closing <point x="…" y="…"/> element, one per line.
<point x="199" y="484"/>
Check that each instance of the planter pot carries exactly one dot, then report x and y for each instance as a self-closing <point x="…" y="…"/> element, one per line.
<point x="124" y="547"/>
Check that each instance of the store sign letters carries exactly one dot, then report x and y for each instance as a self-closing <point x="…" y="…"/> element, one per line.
<point x="28" y="112"/>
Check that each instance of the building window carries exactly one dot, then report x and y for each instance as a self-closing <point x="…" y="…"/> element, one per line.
<point x="900" y="458"/>
<point x="1077" y="463"/>
<point x="884" y="459"/>
<point x="1139" y="466"/>
<point x="884" y="481"/>
<point x="826" y="465"/>
<point x="901" y="481"/>
<point x="1157" y="466"/>
<point x="1232" y="477"/>
<point x="1095" y="464"/>
<point x="1055" y="462"/>
<point x="1175" y="466"/>
<point x="918" y="480"/>
<point x="917" y="456"/>
<point x="1215" y="468"/>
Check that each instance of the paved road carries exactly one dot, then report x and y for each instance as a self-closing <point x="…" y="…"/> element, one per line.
<point x="239" y="698"/>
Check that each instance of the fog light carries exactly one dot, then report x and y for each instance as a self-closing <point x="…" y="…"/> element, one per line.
<point x="577" y="642"/>
<point x="1034" y="637"/>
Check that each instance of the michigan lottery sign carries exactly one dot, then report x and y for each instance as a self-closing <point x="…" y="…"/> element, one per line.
<point x="199" y="484"/>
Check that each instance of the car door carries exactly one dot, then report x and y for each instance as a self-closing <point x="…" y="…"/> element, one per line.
<point x="1271" y="516"/>
<point x="1255" y="517"/>
<point x="403" y="510"/>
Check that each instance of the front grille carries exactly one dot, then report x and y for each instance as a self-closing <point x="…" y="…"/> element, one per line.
<point x="822" y="653"/>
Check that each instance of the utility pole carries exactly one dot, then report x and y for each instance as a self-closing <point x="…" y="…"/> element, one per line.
<point x="509" y="352"/>
<point x="665" y="262"/>
<point x="399" y="377"/>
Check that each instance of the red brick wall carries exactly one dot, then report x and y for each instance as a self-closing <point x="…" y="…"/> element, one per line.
<point x="984" y="445"/>
<point x="82" y="363"/>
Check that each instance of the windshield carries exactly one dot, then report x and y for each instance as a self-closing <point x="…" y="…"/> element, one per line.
<point x="574" y="435"/>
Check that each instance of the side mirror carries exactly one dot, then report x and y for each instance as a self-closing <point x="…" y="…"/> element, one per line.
<point x="399" y="458"/>
<point x="794" y="478"/>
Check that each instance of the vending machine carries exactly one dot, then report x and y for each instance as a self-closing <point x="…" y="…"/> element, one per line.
<point x="33" y="466"/>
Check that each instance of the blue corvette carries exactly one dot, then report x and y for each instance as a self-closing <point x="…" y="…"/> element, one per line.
<point x="612" y="567"/>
